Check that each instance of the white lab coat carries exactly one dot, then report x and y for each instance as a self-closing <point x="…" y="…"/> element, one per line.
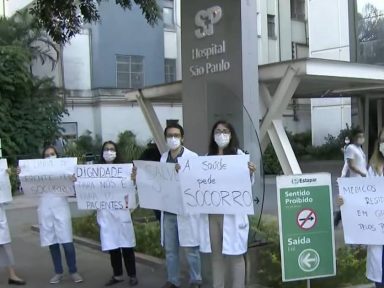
<point x="116" y="229"/>
<point x="374" y="252"/>
<point x="5" y="237"/>
<point x="235" y="233"/>
<point x="187" y="225"/>
<point x="54" y="220"/>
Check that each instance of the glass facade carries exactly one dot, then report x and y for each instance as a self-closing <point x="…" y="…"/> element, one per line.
<point x="369" y="21"/>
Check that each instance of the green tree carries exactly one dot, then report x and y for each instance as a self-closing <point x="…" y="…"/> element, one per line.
<point x="64" y="19"/>
<point x="30" y="110"/>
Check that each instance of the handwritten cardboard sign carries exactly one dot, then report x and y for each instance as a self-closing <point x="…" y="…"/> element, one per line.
<point x="5" y="184"/>
<point x="363" y="209"/>
<point x="158" y="186"/>
<point x="106" y="186"/>
<point x="216" y="185"/>
<point x="41" y="176"/>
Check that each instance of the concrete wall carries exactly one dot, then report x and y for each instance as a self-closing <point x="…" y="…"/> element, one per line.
<point x="338" y="111"/>
<point x="329" y="36"/>
<point x="329" y="40"/>
<point x="108" y="120"/>
<point x="126" y="33"/>
<point x="77" y="62"/>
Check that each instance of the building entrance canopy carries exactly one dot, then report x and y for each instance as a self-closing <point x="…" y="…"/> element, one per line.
<point x="279" y="83"/>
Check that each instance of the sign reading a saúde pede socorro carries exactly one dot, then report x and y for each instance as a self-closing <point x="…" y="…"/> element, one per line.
<point x="216" y="185"/>
<point x="306" y="226"/>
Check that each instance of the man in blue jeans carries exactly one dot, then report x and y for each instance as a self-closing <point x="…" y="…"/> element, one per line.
<point x="179" y="230"/>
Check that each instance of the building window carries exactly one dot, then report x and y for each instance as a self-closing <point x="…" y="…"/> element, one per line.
<point x="69" y="130"/>
<point x="172" y="121"/>
<point x="170" y="70"/>
<point x="271" y="26"/>
<point x="298" y="9"/>
<point x="129" y="71"/>
<point x="168" y="20"/>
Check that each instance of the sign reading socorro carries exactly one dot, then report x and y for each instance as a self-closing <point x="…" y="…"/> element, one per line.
<point x="363" y="209"/>
<point x="5" y="184"/>
<point x="306" y="226"/>
<point x="158" y="186"/>
<point x="216" y="185"/>
<point x="41" y="176"/>
<point x="105" y="186"/>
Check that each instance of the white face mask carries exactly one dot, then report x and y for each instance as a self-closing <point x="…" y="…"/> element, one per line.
<point x="347" y="142"/>
<point x="222" y="140"/>
<point x="109" y="156"/>
<point x="52" y="157"/>
<point x="173" y="143"/>
<point x="381" y="148"/>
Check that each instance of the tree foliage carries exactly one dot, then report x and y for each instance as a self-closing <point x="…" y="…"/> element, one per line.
<point x="30" y="110"/>
<point x="64" y="19"/>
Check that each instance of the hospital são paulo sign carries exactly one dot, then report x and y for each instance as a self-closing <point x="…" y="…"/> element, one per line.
<point x="213" y="55"/>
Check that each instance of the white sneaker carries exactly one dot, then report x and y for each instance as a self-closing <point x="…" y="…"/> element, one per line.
<point x="76" y="277"/>
<point x="56" y="279"/>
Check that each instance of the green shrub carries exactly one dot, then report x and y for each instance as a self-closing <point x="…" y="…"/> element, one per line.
<point x="83" y="145"/>
<point x="128" y="147"/>
<point x="148" y="238"/>
<point x="270" y="162"/>
<point x="86" y="227"/>
<point x="13" y="179"/>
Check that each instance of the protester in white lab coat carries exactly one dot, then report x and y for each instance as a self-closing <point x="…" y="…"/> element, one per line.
<point x="356" y="159"/>
<point x="116" y="229"/>
<point x="179" y="230"/>
<point x="6" y="254"/>
<point x="375" y="253"/>
<point x="56" y="228"/>
<point x="225" y="236"/>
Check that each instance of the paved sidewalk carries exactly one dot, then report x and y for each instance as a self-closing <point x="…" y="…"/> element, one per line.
<point x="33" y="262"/>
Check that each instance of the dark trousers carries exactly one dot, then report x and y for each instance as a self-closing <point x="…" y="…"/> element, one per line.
<point x="117" y="255"/>
<point x="379" y="285"/>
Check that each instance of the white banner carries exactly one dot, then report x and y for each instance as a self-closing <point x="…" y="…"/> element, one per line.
<point x="41" y="176"/>
<point x="5" y="184"/>
<point x="363" y="209"/>
<point x="105" y="186"/>
<point x="158" y="186"/>
<point x="216" y="185"/>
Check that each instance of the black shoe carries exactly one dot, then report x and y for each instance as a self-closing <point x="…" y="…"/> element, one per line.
<point x="16" y="282"/>
<point x="113" y="281"/>
<point x="133" y="281"/>
<point x="169" y="285"/>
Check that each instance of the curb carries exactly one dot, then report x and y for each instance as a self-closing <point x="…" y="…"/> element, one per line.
<point x="141" y="258"/>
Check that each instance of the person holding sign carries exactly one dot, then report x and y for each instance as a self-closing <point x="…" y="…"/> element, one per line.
<point x="56" y="228"/>
<point x="375" y="253"/>
<point x="179" y="230"/>
<point x="116" y="229"/>
<point x="6" y="254"/>
<point x="225" y="236"/>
